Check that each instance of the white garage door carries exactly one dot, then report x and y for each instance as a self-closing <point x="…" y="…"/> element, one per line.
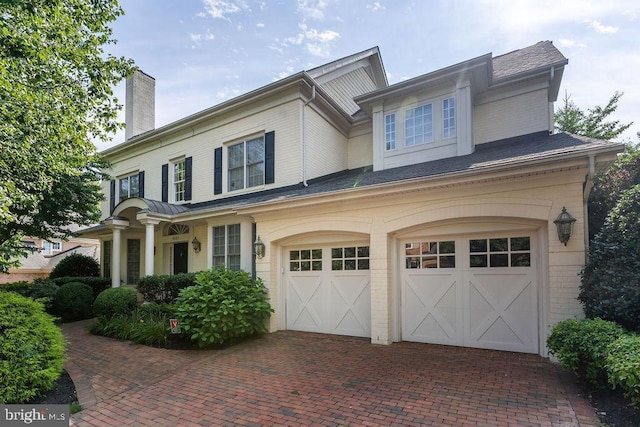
<point x="328" y="290"/>
<point x="474" y="292"/>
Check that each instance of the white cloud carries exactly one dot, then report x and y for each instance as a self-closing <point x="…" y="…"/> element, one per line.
<point x="260" y="25"/>
<point x="602" y="29"/>
<point x="569" y="43"/>
<point x="221" y="8"/>
<point x="317" y="43"/>
<point x="312" y="9"/>
<point x="376" y="6"/>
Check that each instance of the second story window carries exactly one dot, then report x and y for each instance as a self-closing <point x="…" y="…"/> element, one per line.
<point x="448" y="118"/>
<point x="418" y="125"/>
<point x="246" y="164"/>
<point x="390" y="131"/>
<point x="49" y="248"/>
<point x="179" y="180"/>
<point x="129" y="186"/>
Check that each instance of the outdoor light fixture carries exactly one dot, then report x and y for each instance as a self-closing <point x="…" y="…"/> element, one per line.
<point x="564" y="223"/>
<point x="258" y="247"/>
<point x="196" y="245"/>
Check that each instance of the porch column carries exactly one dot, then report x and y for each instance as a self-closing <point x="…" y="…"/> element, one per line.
<point x="149" y="244"/>
<point x="117" y="225"/>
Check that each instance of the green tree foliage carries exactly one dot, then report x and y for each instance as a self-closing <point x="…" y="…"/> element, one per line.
<point x="55" y="96"/>
<point x="610" y="281"/>
<point x="570" y="118"/>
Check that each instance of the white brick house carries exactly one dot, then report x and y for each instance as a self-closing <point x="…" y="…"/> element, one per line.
<point x="420" y="211"/>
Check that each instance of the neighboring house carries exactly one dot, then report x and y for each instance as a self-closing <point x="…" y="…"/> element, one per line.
<point x="42" y="261"/>
<point x="420" y="211"/>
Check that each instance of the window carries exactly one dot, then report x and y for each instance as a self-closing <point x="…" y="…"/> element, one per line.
<point x="350" y="258"/>
<point x="390" y="131"/>
<point x="430" y="255"/>
<point x="448" y="118"/>
<point x="50" y="247"/>
<point x="133" y="261"/>
<point x="246" y="164"/>
<point x="129" y="186"/>
<point x="226" y="246"/>
<point x="305" y="260"/>
<point x="418" y="125"/>
<point x="179" y="175"/>
<point x="502" y="252"/>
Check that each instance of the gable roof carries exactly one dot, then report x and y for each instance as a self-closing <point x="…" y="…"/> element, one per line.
<point x="541" y="55"/>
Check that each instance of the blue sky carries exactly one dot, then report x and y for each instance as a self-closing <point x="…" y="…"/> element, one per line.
<point x="203" y="52"/>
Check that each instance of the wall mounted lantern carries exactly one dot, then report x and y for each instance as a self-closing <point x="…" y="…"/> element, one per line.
<point x="258" y="248"/>
<point x="564" y="224"/>
<point x="196" y="245"/>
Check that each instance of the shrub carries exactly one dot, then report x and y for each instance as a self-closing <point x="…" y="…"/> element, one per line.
<point x="76" y="265"/>
<point x="222" y="307"/>
<point x="22" y="288"/>
<point x="623" y="366"/>
<point x="610" y="280"/>
<point x="98" y="284"/>
<point x="581" y="345"/>
<point x="74" y="301"/>
<point x="115" y="301"/>
<point x="148" y="325"/>
<point x="31" y="349"/>
<point x="164" y="289"/>
<point x="41" y="290"/>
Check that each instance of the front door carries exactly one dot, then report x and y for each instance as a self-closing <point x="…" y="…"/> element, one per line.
<point x="180" y="257"/>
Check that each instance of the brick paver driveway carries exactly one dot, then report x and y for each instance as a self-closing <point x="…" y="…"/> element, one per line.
<point x="296" y="378"/>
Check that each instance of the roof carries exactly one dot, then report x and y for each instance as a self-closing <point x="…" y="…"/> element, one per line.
<point x="541" y="55"/>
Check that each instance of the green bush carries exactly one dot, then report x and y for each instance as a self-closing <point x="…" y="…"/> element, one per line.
<point x="74" y="301"/>
<point x="42" y="290"/>
<point x="115" y="301"/>
<point x="148" y="325"/>
<point x="76" y="265"/>
<point x="222" y="307"/>
<point x="623" y="366"/>
<point x="98" y="284"/>
<point x="164" y="289"/>
<point x="31" y="349"/>
<point x="581" y="345"/>
<point x="22" y="288"/>
<point x="610" y="279"/>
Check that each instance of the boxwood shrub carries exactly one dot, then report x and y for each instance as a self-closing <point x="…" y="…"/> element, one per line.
<point x="74" y="301"/>
<point x="623" y="366"/>
<point x="222" y="307"/>
<point x="164" y="289"/>
<point x="76" y="265"/>
<point x="31" y="349"/>
<point x="97" y="284"/>
<point x="581" y="345"/>
<point x="115" y="301"/>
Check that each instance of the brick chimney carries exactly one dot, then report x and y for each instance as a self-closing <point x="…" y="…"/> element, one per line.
<point x="140" y="113"/>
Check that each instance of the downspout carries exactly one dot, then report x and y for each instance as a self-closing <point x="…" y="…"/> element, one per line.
<point x="587" y="186"/>
<point x="304" y="136"/>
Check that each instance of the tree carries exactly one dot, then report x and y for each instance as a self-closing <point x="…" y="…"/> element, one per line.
<point x="572" y="119"/>
<point x="55" y="96"/>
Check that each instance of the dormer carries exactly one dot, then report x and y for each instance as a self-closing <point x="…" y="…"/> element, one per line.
<point x="447" y="112"/>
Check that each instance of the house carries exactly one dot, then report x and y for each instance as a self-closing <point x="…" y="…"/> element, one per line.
<point x="420" y="211"/>
<point x="42" y="261"/>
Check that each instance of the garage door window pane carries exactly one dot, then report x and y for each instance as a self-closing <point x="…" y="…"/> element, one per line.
<point x="498" y="245"/>
<point x="430" y="255"/>
<point x="521" y="260"/>
<point x="350" y="258"/>
<point x="478" y="261"/>
<point x="499" y="260"/>
<point x="520" y="244"/>
<point x="502" y="252"/>
<point x="305" y="260"/>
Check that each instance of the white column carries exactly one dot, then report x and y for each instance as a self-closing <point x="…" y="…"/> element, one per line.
<point x="149" y="248"/>
<point x="115" y="259"/>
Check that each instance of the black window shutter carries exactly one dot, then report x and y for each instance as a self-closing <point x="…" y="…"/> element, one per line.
<point x="165" y="182"/>
<point x="187" y="178"/>
<point x="217" y="171"/>
<point x="112" y="196"/>
<point x="269" y="157"/>
<point x="141" y="184"/>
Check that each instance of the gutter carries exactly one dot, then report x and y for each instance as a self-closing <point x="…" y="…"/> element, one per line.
<point x="586" y="189"/>
<point x="304" y="136"/>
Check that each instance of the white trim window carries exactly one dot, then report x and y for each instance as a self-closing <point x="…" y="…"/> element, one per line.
<point x="48" y="248"/>
<point x="448" y="118"/>
<point x="390" y="131"/>
<point x="418" y="125"/>
<point x="179" y="179"/>
<point x="226" y="246"/>
<point x="246" y="164"/>
<point x="129" y="186"/>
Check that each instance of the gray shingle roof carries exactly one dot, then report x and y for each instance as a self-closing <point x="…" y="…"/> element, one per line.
<point x="541" y="54"/>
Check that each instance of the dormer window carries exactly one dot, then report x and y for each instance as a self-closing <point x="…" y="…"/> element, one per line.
<point x="390" y="131"/>
<point x="129" y="186"/>
<point x="418" y="125"/>
<point x="448" y="118"/>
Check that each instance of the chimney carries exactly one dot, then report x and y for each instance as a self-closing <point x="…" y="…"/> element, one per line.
<point x="140" y="114"/>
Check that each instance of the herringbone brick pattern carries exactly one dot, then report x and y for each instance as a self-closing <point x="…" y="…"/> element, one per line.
<point x="295" y="378"/>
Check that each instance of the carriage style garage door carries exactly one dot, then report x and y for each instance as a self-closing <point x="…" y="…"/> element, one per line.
<point x="475" y="291"/>
<point x="327" y="289"/>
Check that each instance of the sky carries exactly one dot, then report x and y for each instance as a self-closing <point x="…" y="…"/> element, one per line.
<point x="203" y="52"/>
